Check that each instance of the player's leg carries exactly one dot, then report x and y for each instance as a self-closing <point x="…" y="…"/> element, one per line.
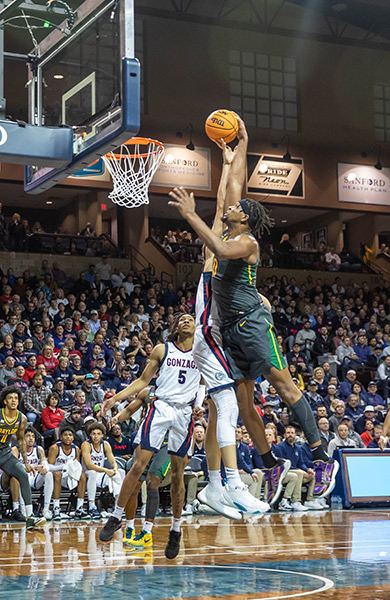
<point x="144" y="539"/>
<point x="12" y="484"/>
<point x="80" y="512"/>
<point x="128" y="491"/>
<point x="130" y="510"/>
<point x="325" y="468"/>
<point x="47" y="482"/>
<point x="178" y="464"/>
<point x="11" y="465"/>
<point x="95" y="480"/>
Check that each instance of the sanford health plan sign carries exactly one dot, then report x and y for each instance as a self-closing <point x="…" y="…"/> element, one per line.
<point x="363" y="184"/>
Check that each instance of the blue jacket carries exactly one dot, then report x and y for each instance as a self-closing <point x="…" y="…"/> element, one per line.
<point x="244" y="460"/>
<point x="257" y="461"/>
<point x="292" y="453"/>
<point x="362" y="352"/>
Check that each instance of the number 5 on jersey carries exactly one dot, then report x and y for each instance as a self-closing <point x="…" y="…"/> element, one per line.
<point x="182" y="376"/>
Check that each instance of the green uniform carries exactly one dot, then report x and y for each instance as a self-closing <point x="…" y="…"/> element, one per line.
<point x="247" y="326"/>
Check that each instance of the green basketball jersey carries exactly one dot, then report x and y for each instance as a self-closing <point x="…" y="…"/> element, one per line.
<point x="234" y="286"/>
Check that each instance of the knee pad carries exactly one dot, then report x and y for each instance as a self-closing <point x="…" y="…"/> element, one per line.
<point x="227" y="414"/>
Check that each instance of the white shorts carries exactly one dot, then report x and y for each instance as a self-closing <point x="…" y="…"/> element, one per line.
<point x="174" y="419"/>
<point x="64" y="481"/>
<point x="101" y="478"/>
<point x="210" y="360"/>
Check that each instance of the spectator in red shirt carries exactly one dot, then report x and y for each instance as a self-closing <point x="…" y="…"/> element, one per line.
<point x="46" y="358"/>
<point x="51" y="417"/>
<point x="368" y="433"/>
<point x="31" y="368"/>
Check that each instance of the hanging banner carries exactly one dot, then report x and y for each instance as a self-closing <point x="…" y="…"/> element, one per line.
<point x="275" y="176"/>
<point x="363" y="184"/>
<point x="180" y="166"/>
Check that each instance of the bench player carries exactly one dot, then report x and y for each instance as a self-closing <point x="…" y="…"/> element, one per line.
<point x="95" y="452"/>
<point x="12" y="421"/>
<point x="60" y="454"/>
<point x="42" y="475"/>
<point x="170" y="411"/>
<point x="246" y="323"/>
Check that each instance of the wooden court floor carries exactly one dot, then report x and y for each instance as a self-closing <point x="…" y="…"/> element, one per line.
<point x="341" y="555"/>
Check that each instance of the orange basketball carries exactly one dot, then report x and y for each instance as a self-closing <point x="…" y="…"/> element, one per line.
<point x="221" y="124"/>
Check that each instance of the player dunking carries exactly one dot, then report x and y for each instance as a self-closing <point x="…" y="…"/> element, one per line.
<point x="223" y="410"/>
<point x="170" y="411"/>
<point x="247" y="326"/>
<point x="14" y="422"/>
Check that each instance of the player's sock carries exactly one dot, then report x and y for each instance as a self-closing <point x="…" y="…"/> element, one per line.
<point x="269" y="460"/>
<point x="118" y="512"/>
<point x="215" y="480"/>
<point x="15" y="505"/>
<point x="56" y="503"/>
<point x="148" y="526"/>
<point x="233" y="477"/>
<point x="175" y="524"/>
<point x="130" y="523"/>
<point x="91" y="505"/>
<point x="80" y="503"/>
<point x="305" y="417"/>
<point x="28" y="510"/>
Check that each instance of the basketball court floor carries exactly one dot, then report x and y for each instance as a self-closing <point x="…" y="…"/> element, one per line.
<point x="320" y="555"/>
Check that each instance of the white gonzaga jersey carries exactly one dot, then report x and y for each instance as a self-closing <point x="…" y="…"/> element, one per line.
<point x="98" y="456"/>
<point x="63" y="458"/>
<point x="203" y="300"/>
<point x="32" y="457"/>
<point x="178" y="379"/>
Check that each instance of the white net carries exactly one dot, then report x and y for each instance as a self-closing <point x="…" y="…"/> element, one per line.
<point x="132" y="169"/>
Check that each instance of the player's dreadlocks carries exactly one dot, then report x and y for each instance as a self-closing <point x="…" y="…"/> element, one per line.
<point x="259" y="220"/>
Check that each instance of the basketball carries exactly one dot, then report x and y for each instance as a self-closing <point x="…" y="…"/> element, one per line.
<point x="221" y="124"/>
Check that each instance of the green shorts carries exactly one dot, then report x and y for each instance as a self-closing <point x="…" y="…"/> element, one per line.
<point x="250" y="345"/>
<point x="159" y="464"/>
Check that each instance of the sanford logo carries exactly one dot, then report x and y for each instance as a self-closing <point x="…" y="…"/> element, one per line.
<point x="365" y="181"/>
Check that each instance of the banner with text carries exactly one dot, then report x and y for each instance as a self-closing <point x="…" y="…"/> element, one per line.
<point x="189" y="168"/>
<point x="363" y="184"/>
<point x="275" y="176"/>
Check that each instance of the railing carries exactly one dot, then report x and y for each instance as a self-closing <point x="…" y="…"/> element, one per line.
<point x="140" y="262"/>
<point x="76" y="245"/>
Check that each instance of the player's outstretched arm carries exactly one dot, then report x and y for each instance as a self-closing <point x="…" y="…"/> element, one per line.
<point x="240" y="247"/>
<point x="139" y="384"/>
<point x="236" y="179"/>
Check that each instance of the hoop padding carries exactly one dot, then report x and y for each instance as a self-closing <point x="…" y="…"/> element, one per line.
<point x="132" y="170"/>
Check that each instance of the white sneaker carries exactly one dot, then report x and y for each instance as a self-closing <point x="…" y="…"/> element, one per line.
<point x="298" y="507"/>
<point x="313" y="505"/>
<point x="47" y="514"/>
<point x="215" y="500"/>
<point x="322" y="502"/>
<point x="241" y="498"/>
<point x="285" y="505"/>
<point x="57" y="514"/>
<point x="188" y="509"/>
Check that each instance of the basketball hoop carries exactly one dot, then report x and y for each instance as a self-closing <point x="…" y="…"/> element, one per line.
<point x="132" y="170"/>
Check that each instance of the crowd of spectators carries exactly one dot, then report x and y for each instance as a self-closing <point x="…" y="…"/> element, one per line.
<point x="66" y="344"/>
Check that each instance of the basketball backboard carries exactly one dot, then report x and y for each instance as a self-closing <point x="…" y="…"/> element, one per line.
<point x="87" y="79"/>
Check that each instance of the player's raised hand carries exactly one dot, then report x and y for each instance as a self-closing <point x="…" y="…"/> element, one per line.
<point x="242" y="133"/>
<point x="183" y="201"/>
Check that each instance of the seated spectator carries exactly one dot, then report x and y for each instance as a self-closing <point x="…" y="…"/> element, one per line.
<point x="7" y="372"/>
<point x="352" y="409"/>
<point x="31" y="368"/>
<point x="341" y="439"/>
<point x="19" y="379"/>
<point x="369" y="413"/>
<point x="65" y="397"/>
<point x="273" y="398"/>
<point x="51" y="417"/>
<point x="321" y="380"/>
<point x="59" y="275"/>
<point x="378" y="432"/>
<point x="288" y="449"/>
<point x="306" y="336"/>
<point x="47" y="359"/>
<point x="290" y="481"/>
<point x="88" y="230"/>
<point x="312" y="395"/>
<point x="325" y="434"/>
<point x="361" y="349"/>
<point x="373" y="398"/>
<point x="336" y="418"/>
<point x="368" y="432"/>
<point x="7" y="347"/>
<point x="346" y="386"/>
<point x="297" y="358"/>
<point x="63" y="371"/>
<point x="374" y="360"/>
<point x="121" y="445"/>
<point x="332" y="260"/>
<point x="323" y="344"/>
<point x="79" y="401"/>
<point x="74" y="420"/>
<point x="271" y="417"/>
<point x="34" y="399"/>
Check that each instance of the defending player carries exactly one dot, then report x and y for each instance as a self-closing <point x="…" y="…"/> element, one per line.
<point x="170" y="411"/>
<point x="14" y="422"/>
<point x="42" y="475"/>
<point x="95" y="452"/>
<point x="247" y="327"/>
<point x="60" y="454"/>
<point x="223" y="410"/>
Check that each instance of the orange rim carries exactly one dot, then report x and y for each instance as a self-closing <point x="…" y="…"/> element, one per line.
<point x="140" y="141"/>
